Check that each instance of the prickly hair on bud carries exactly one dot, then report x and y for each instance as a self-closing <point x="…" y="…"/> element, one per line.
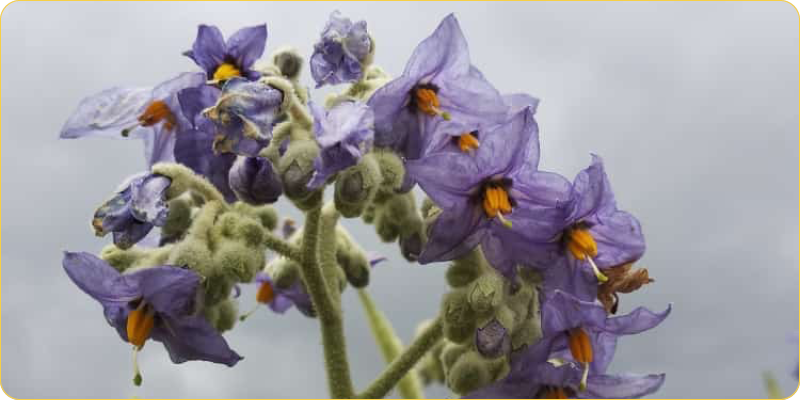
<point x="352" y="259"/>
<point x="457" y="315"/>
<point x="238" y="261"/>
<point x="284" y="272"/>
<point x="288" y="61"/>
<point x="296" y="168"/>
<point x="216" y="288"/>
<point x="356" y="187"/>
<point x="265" y="214"/>
<point x="193" y="254"/>
<point x="223" y="316"/>
<point x="392" y="169"/>
<point x="122" y="259"/>
<point x="470" y="372"/>
<point x="178" y="220"/>
<point x="466" y="269"/>
<point x="486" y="293"/>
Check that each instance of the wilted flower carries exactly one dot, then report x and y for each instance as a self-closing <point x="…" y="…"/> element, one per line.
<point x="244" y="115"/>
<point x="151" y="114"/>
<point x="344" y="134"/>
<point x="340" y="54"/>
<point x="223" y="60"/>
<point x="438" y="83"/>
<point x="134" y="210"/>
<point x="156" y="302"/>
<point x="495" y="198"/>
<point x="597" y="234"/>
<point x="255" y="181"/>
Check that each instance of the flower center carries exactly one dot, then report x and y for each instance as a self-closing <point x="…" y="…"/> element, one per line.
<point x="425" y="99"/>
<point x="468" y="142"/>
<point x="140" y="324"/>
<point x="156" y="112"/>
<point x="581" y="243"/>
<point x="265" y="293"/>
<point x="226" y="71"/>
<point x="581" y="348"/>
<point x="583" y="247"/>
<point x="496" y="202"/>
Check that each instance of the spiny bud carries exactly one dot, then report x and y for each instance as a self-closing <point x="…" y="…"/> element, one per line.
<point x="458" y="317"/>
<point x="238" y="261"/>
<point x="356" y="187"/>
<point x="193" y="254"/>
<point x="265" y="214"/>
<point x="122" y="259"/>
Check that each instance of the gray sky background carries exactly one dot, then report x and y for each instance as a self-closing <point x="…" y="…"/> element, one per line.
<point x="694" y="107"/>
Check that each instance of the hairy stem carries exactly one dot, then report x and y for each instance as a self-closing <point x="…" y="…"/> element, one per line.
<point x="402" y="364"/>
<point x="330" y="318"/>
<point x="390" y="345"/>
<point x="184" y="179"/>
<point x="282" y="247"/>
<point x="327" y="251"/>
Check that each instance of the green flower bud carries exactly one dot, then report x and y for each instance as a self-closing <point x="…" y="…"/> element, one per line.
<point x="217" y="288"/>
<point x="283" y="271"/>
<point x="223" y="316"/>
<point x="469" y="373"/>
<point x="356" y="187"/>
<point x="466" y="269"/>
<point x="264" y="214"/>
<point x="296" y="167"/>
<point x="486" y="293"/>
<point x="451" y="352"/>
<point x="122" y="259"/>
<point x="288" y="61"/>
<point x="178" y="220"/>
<point x="238" y="260"/>
<point x="458" y="317"/>
<point x="386" y="226"/>
<point x="528" y="333"/>
<point x="193" y="254"/>
<point x="391" y="169"/>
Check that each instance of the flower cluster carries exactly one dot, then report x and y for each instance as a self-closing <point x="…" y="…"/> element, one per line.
<point x="538" y="261"/>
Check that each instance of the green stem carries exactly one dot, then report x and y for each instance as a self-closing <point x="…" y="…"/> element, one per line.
<point x="402" y="364"/>
<point x="282" y="247"/>
<point x="330" y="318"/>
<point x="390" y="345"/>
<point x="327" y="251"/>
<point x="184" y="179"/>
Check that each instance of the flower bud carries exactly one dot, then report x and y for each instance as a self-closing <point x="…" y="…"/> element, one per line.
<point x="178" y="220"/>
<point x="493" y="340"/>
<point x="288" y="62"/>
<point x="254" y="180"/>
<point x="458" y="317"/>
<point x="411" y="245"/>
<point x="392" y="169"/>
<point x="356" y="187"/>
<point x="296" y="168"/>
<point x="486" y="293"/>
<point x="469" y="373"/>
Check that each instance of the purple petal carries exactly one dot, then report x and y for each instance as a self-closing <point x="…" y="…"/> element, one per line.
<point x="147" y="199"/>
<point x="170" y="290"/>
<point x="444" y="50"/>
<point x="637" y="321"/>
<point x="449" y="179"/>
<point x="208" y="50"/>
<point x="107" y="113"/>
<point x="247" y="45"/>
<point x="131" y="233"/>
<point x="98" y="279"/>
<point x="255" y="181"/>
<point x="619" y="239"/>
<point x="591" y="192"/>
<point x="193" y="338"/>
<point x="453" y="234"/>
<point x="625" y="386"/>
<point x="493" y="340"/>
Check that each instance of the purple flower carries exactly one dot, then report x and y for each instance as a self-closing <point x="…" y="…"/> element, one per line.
<point x="157" y="302"/>
<point x="194" y="146"/>
<point x="495" y="198"/>
<point x="255" y="181"/>
<point x="597" y="234"/>
<point x="223" y="60"/>
<point x="438" y="83"/>
<point x="244" y="115"/>
<point x="151" y="114"/>
<point x="281" y="299"/>
<point x="134" y="210"/>
<point x="340" y="54"/>
<point x="344" y="134"/>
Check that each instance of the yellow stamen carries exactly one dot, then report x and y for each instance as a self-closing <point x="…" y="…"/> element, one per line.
<point x="580" y="345"/>
<point x="156" y="112"/>
<point x="140" y="324"/>
<point x="428" y="102"/>
<point x="581" y="243"/>
<point x="226" y="71"/>
<point x="265" y="293"/>
<point x="496" y="202"/>
<point x="467" y="142"/>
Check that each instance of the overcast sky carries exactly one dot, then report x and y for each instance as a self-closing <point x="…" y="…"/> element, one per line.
<point x="694" y="107"/>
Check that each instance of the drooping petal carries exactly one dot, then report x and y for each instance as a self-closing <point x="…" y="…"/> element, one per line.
<point x="193" y="338"/>
<point x="107" y="113"/>
<point x="98" y="279"/>
<point x="131" y="234"/>
<point x="624" y="386"/>
<point x="636" y="321"/>
<point x="208" y="50"/>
